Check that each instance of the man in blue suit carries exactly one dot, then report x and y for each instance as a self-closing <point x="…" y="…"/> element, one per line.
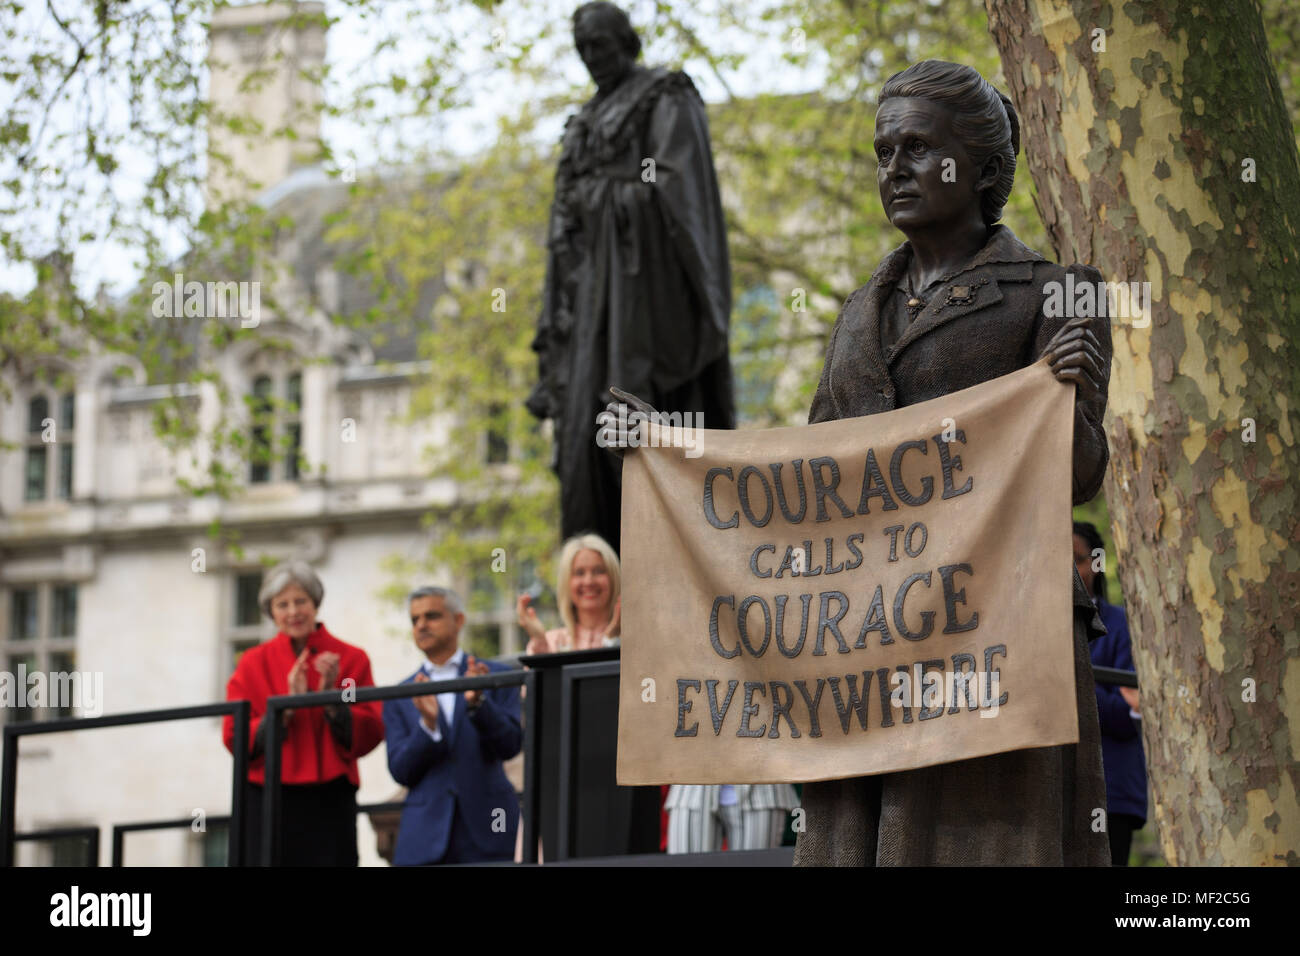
<point x="447" y="749"/>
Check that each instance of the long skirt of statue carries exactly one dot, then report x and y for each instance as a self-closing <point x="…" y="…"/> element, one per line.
<point x="1034" y="807"/>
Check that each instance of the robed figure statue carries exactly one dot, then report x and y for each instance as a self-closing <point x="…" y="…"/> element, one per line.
<point x="638" y="282"/>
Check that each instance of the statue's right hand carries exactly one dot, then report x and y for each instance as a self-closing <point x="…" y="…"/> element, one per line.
<point x="614" y="431"/>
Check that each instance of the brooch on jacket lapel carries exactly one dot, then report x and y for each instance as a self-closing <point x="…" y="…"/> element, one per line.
<point x="963" y="294"/>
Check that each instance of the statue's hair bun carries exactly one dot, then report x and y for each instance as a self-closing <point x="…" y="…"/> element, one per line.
<point x="1013" y="119"/>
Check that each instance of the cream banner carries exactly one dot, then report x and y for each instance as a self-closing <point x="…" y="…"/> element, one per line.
<point x="853" y="597"/>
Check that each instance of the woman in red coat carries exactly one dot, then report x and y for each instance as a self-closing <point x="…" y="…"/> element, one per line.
<point x="318" y="760"/>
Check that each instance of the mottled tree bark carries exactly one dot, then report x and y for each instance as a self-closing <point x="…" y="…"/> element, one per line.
<point x="1143" y="150"/>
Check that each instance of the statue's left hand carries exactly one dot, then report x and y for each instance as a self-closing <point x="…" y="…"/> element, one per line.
<point x="1075" y="355"/>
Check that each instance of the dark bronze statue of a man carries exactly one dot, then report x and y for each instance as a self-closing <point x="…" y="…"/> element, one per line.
<point x="638" y="282"/>
<point x="962" y="302"/>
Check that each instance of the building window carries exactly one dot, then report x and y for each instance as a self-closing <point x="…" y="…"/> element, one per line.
<point x="247" y="627"/>
<point x="38" y="409"/>
<point x="20" y="664"/>
<point x="22" y="614"/>
<point x="216" y="844"/>
<point x="64" y="619"/>
<point x="41" y="638"/>
<point x="251" y="44"/>
<point x="36" y="474"/>
<point x="48" y="474"/>
<point x="260" y="451"/>
<point x="64" y="490"/>
<point x="247" y="612"/>
<point x="65" y="851"/>
<point x="491" y="629"/>
<point x="292" y="422"/>
<point x="275" y="440"/>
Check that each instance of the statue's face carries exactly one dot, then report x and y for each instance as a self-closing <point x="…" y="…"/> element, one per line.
<point x="601" y="52"/>
<point x="926" y="179"/>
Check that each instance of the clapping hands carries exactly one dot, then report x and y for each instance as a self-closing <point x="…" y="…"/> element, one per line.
<point x="297" y="680"/>
<point x="298" y="673"/>
<point x="475" y="668"/>
<point x="532" y="625"/>
<point x="326" y="664"/>
<point x="426" y="704"/>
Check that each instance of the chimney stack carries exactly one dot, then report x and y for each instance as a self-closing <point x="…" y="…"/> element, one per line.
<point x="264" y="66"/>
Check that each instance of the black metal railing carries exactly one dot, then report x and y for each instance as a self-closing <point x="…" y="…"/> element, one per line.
<point x="359" y="695"/>
<point x="1113" y="675"/>
<point x="569" y="719"/>
<point x="88" y="833"/>
<point x="270" y="848"/>
<point x="272" y="794"/>
<point x="13" y="733"/>
<point x="120" y="830"/>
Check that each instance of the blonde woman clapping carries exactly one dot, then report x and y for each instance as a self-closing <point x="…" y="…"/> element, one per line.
<point x="588" y="592"/>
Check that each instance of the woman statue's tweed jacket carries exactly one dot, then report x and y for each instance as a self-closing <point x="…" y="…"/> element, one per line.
<point x="1036" y="806"/>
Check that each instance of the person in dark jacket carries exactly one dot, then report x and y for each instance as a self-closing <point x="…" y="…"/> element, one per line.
<point x="1117" y="707"/>
<point x="448" y="748"/>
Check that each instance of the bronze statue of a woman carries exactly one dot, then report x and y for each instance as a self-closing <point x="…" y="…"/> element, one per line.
<point x="959" y="303"/>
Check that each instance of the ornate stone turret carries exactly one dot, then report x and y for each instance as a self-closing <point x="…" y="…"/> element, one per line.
<point x="264" y="62"/>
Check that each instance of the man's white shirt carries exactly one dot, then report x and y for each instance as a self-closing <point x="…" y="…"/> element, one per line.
<point x="446" y="702"/>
